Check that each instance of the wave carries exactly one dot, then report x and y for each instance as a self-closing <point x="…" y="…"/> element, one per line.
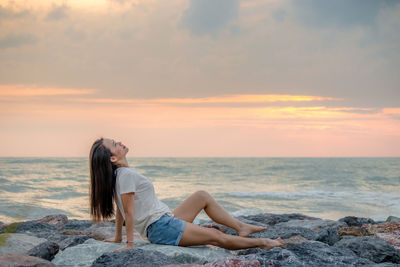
<point x="390" y="199"/>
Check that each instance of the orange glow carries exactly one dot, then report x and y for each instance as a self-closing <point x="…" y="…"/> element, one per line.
<point x="20" y="91"/>
<point x="158" y="128"/>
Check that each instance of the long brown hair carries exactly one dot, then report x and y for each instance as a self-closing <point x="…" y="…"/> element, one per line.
<point x="102" y="182"/>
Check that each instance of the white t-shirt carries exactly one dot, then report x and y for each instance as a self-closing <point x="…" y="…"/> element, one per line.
<point x="148" y="208"/>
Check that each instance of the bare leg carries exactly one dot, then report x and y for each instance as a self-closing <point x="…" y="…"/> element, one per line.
<point x="191" y="207"/>
<point x="197" y="235"/>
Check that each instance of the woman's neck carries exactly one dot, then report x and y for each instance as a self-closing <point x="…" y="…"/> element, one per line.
<point x="122" y="163"/>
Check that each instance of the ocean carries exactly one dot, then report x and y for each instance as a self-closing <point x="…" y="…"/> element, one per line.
<point x="330" y="188"/>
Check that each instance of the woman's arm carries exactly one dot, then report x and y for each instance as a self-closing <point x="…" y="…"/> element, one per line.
<point x="128" y="201"/>
<point x="119" y="221"/>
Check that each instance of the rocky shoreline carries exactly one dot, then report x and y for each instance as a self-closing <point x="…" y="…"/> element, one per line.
<point x="351" y="241"/>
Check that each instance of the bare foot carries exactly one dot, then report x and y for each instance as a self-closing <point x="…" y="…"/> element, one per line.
<point x="271" y="243"/>
<point x="248" y="229"/>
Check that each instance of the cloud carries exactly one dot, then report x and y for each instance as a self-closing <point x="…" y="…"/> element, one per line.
<point x="204" y="17"/>
<point x="13" y="40"/>
<point x="213" y="100"/>
<point x="339" y="13"/>
<point x="57" y="13"/>
<point x="7" y="13"/>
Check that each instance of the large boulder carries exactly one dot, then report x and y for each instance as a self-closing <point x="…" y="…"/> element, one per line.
<point x="328" y="235"/>
<point x="38" y="229"/>
<point x="392" y="238"/>
<point x="315" y="225"/>
<point x="307" y="254"/>
<point x="77" y="225"/>
<point x="18" y="243"/>
<point x="285" y="232"/>
<point x="133" y="258"/>
<point x="58" y="220"/>
<point x="393" y="219"/>
<point x="46" y="250"/>
<point x="272" y="219"/>
<point x="86" y="253"/>
<point x="372" y="248"/>
<point x="356" y="221"/>
<point x="92" y="234"/>
<point x="230" y="261"/>
<point x="19" y="260"/>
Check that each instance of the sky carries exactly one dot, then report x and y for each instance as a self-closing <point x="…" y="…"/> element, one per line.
<point x="201" y="78"/>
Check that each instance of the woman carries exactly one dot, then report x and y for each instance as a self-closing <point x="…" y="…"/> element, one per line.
<point x="137" y="204"/>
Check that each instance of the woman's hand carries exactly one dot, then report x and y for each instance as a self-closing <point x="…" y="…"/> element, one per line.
<point x="128" y="246"/>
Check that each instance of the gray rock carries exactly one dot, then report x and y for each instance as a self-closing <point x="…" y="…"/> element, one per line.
<point x="372" y="248"/>
<point x="315" y="225"/>
<point x="58" y="220"/>
<point x="133" y="258"/>
<point x="77" y="225"/>
<point x="356" y="221"/>
<point x="70" y="241"/>
<point x="285" y="232"/>
<point x="307" y="254"/>
<point x="272" y="219"/>
<point x="18" y="243"/>
<point x="393" y="219"/>
<point x="46" y="250"/>
<point x="316" y="253"/>
<point x="328" y="236"/>
<point x="19" y="260"/>
<point x="38" y="229"/>
<point x="84" y="254"/>
<point x="107" y="228"/>
<point x="274" y="257"/>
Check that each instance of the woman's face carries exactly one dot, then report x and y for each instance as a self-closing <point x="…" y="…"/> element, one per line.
<point x="118" y="150"/>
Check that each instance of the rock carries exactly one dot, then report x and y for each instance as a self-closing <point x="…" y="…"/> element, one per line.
<point x="38" y="229"/>
<point x="316" y="253"/>
<point x="45" y="250"/>
<point x="328" y="235"/>
<point x="18" y="243"/>
<point x="95" y="235"/>
<point x="391" y="238"/>
<point x="58" y="220"/>
<point x="274" y="257"/>
<point x="310" y="253"/>
<point x="315" y="225"/>
<point x="356" y="221"/>
<point x="372" y="248"/>
<point x="369" y="229"/>
<point x="353" y="231"/>
<point x="393" y="219"/>
<point x="77" y="224"/>
<point x="11" y="260"/>
<point x="133" y="257"/>
<point x="285" y="232"/>
<point x="91" y="249"/>
<point x="70" y="241"/>
<point x="230" y="261"/>
<point x="294" y="240"/>
<point x="85" y="254"/>
<point x="272" y="219"/>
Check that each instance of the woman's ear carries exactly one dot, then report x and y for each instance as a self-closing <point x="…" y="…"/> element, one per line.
<point x="113" y="159"/>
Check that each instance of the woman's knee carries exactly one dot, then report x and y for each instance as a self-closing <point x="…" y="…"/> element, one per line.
<point x="202" y="194"/>
<point x="218" y="238"/>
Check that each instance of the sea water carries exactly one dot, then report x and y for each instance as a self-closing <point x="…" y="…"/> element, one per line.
<point x="329" y="188"/>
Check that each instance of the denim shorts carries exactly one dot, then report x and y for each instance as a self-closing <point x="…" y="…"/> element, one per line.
<point x="167" y="230"/>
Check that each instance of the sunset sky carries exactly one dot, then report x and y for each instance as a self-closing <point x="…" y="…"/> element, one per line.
<point x="201" y="78"/>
